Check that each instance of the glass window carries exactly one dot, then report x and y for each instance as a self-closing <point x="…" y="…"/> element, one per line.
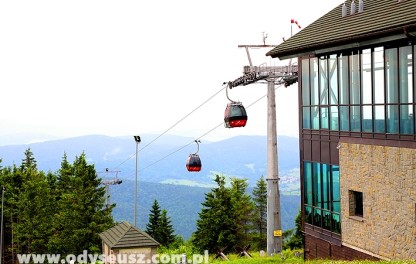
<point x="308" y="214"/>
<point x="366" y="76"/>
<point x="336" y="223"/>
<point x="333" y="115"/>
<point x="406" y="119"/>
<point x="314" y="82"/>
<point x="391" y="76"/>
<point x="355" y="118"/>
<point x="405" y="77"/>
<point x="236" y="110"/>
<point x="306" y="117"/>
<point x="344" y="118"/>
<point x="323" y="80"/>
<point x="379" y="119"/>
<point x="355" y="79"/>
<point x="356" y="205"/>
<point x="333" y="80"/>
<point x="326" y="220"/>
<point x="378" y="72"/>
<point x="343" y="79"/>
<point x="317" y="217"/>
<point x="336" y="195"/>
<point x="326" y="186"/>
<point x="316" y="180"/>
<point x="393" y="119"/>
<point x="307" y="172"/>
<point x="306" y="96"/>
<point x="324" y="117"/>
<point x="321" y="184"/>
<point x="367" y="118"/>
<point x="315" y="117"/>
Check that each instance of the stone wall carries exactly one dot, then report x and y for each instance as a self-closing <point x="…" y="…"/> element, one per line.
<point x="387" y="178"/>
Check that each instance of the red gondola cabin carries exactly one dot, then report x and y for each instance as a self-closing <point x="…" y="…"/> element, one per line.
<point x="235" y="115"/>
<point x="193" y="163"/>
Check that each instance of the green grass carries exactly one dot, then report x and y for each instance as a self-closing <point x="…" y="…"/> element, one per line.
<point x="292" y="257"/>
<point x="287" y="256"/>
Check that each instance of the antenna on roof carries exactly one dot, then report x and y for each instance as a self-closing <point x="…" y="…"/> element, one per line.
<point x="264" y="37"/>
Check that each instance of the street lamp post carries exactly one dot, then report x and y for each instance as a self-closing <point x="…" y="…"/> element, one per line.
<point x="137" y="139"/>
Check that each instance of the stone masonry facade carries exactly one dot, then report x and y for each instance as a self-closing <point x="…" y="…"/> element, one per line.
<point x="386" y="177"/>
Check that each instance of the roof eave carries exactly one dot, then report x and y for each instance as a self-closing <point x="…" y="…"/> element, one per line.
<point x="397" y="33"/>
<point x="134" y="246"/>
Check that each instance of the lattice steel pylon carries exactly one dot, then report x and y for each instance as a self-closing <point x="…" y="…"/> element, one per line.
<point x="107" y="184"/>
<point x="280" y="75"/>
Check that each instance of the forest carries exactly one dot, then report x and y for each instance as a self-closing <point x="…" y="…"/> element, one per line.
<point x="65" y="211"/>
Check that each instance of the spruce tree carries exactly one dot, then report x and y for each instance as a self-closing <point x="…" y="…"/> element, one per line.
<point x="295" y="239"/>
<point x="160" y="227"/>
<point x="82" y="213"/>
<point x="260" y="219"/>
<point x="166" y="236"/>
<point x="33" y="207"/>
<point x="152" y="227"/>
<point x="29" y="161"/>
<point x="216" y="225"/>
<point x="242" y="209"/>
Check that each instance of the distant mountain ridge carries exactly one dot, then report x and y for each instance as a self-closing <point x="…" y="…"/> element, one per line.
<point x="163" y="160"/>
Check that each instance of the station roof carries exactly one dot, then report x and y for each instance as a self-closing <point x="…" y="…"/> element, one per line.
<point x="379" y="21"/>
<point x="125" y="235"/>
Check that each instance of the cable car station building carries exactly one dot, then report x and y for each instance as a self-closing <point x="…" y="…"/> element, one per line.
<point x="357" y="95"/>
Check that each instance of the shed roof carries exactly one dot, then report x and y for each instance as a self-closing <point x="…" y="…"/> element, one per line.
<point x="125" y="235"/>
<point x="379" y="19"/>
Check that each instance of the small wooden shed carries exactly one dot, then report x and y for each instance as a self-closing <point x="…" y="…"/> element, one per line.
<point x="125" y="243"/>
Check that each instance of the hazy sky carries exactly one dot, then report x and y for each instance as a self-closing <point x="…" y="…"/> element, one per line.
<point x="117" y="68"/>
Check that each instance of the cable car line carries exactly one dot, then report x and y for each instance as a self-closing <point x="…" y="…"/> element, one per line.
<point x="206" y="133"/>
<point x="167" y="130"/>
<point x="170" y="154"/>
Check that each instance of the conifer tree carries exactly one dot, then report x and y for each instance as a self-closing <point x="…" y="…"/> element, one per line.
<point x="216" y="224"/>
<point x="35" y="207"/>
<point x="260" y="219"/>
<point x="61" y="213"/>
<point x="29" y="161"/>
<point x="295" y="236"/>
<point x="29" y="205"/>
<point x="82" y="213"/>
<point x="152" y="227"/>
<point x="160" y="226"/>
<point x="166" y="232"/>
<point x="12" y="179"/>
<point x="242" y="209"/>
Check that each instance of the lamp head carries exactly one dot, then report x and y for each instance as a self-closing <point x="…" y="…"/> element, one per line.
<point x="137" y="139"/>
